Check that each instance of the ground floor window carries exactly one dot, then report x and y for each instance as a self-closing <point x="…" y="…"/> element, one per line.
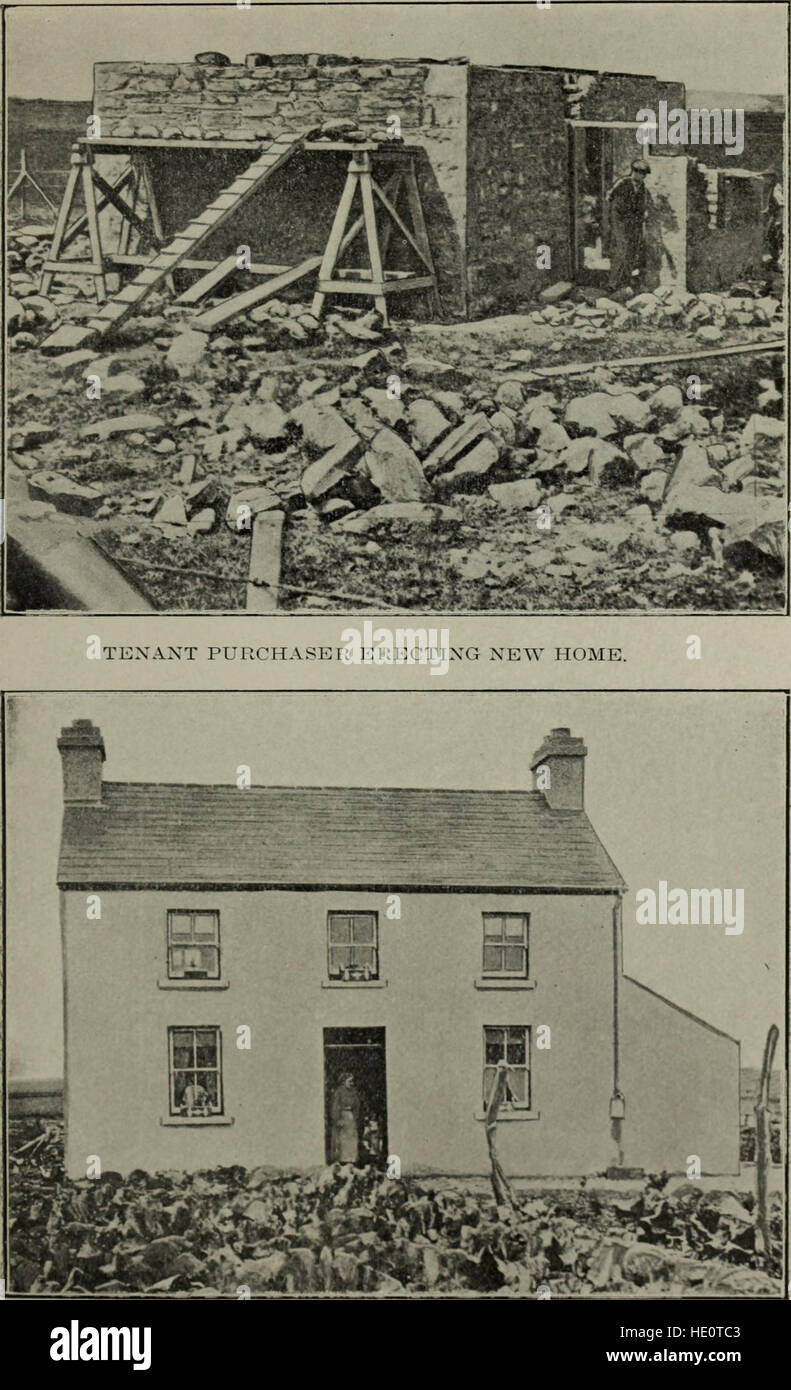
<point x="195" y="1064"/>
<point x="509" y="1046"/>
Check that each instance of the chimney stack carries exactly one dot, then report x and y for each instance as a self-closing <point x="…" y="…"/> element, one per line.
<point x="81" y="749"/>
<point x="559" y="770"/>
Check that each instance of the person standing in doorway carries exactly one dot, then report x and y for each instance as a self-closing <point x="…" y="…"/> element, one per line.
<point x="345" y="1121"/>
<point x="627" y="202"/>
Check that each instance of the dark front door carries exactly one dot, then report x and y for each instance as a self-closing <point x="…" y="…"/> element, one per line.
<point x="355" y="1095"/>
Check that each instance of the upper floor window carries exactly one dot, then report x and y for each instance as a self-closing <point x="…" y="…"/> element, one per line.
<point x="193" y="945"/>
<point x="505" y="944"/>
<point x="195" y="1071"/>
<point x="353" y="945"/>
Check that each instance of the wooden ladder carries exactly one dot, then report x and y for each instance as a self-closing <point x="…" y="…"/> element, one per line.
<point x="161" y="266"/>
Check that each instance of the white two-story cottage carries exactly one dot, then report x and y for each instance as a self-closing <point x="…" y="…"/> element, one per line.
<point x="289" y="975"/>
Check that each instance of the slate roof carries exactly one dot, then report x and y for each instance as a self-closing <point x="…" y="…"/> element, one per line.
<point x="165" y="835"/>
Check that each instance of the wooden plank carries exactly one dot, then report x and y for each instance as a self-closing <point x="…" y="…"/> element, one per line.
<point x="94" y="236"/>
<point x="410" y="282"/>
<point x="421" y="233"/>
<point x="575" y="368"/>
<point x="111" y="194"/>
<point x="61" y="221"/>
<point x="391" y="193"/>
<point x="73" y="267"/>
<point x="239" y="302"/>
<point x="369" y="287"/>
<point x="210" y="281"/>
<point x="263" y="579"/>
<point x="332" y="251"/>
<point x="372" y="237"/>
<point x="166" y="262"/>
<point x="125" y="230"/>
<point x="153" y="211"/>
<point x="80" y="224"/>
<point x="67" y="337"/>
<point x="224" y="201"/>
<point x="130" y="293"/>
<point x="122" y="142"/>
<point x="372" y="287"/>
<point x="255" y="267"/>
<point x="401" y="225"/>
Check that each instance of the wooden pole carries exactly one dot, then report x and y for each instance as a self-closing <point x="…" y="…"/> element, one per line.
<point x="372" y="235"/>
<point x="94" y="232"/>
<point x="75" y="168"/>
<point x="763" y="1153"/>
<point x="501" y="1187"/>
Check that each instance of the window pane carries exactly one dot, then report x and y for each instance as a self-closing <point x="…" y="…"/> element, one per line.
<point x="209" y="1080"/>
<point x="181" y="1081"/>
<point x="340" y="958"/>
<point x="514" y="957"/>
<point x="495" y="1043"/>
<point x="177" y="958"/>
<point x="207" y="957"/>
<point x="516" y="1046"/>
<point x="517" y="1085"/>
<point x="493" y="928"/>
<point x="364" y="955"/>
<point x="515" y="928"/>
<point x="180" y="926"/>
<point x="183" y="1044"/>
<point x="340" y="928"/>
<point x="364" y="928"/>
<point x="205" y="926"/>
<point x="205" y="1048"/>
<point x="492" y="957"/>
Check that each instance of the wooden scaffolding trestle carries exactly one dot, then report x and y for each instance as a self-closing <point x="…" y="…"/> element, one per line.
<point x="161" y="266"/>
<point x="156" y="269"/>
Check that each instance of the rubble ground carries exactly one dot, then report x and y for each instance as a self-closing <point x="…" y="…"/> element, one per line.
<point x="342" y="1229"/>
<point x="428" y="467"/>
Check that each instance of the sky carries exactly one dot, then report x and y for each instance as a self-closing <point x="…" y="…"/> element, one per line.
<point x="683" y="787"/>
<point x="710" y="46"/>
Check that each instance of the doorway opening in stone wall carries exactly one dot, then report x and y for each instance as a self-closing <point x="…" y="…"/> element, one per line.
<point x="592" y="177"/>
<point x="599" y="153"/>
<point x="355" y="1095"/>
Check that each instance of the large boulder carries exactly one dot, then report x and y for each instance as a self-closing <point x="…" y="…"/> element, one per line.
<point x="592" y="414"/>
<point x="427" y="424"/>
<point x="68" y="496"/>
<point x="186" y="351"/>
<point x="524" y="492"/>
<point x="322" y="426"/>
<point x="395" y="470"/>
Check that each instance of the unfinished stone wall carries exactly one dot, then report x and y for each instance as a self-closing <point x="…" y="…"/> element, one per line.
<point x="763" y="145"/>
<point x="518" y="169"/>
<point x="517" y="184"/>
<point x="724" y="228"/>
<point x="270" y="95"/>
<point x="619" y="96"/>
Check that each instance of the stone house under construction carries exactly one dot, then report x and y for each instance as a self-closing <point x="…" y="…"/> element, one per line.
<point x="250" y="936"/>
<point x="508" y="160"/>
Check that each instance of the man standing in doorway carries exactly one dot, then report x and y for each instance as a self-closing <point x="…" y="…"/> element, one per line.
<point x="628" y="202"/>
